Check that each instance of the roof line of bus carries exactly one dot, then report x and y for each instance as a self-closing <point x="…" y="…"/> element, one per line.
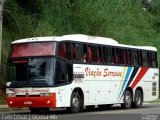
<point x="83" y="38"/>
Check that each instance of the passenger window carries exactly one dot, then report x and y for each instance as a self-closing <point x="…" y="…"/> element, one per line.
<point x="68" y="51"/>
<point x="81" y="52"/>
<point x="134" y="57"/>
<point x="108" y="54"/>
<point x="104" y="54"/>
<point x="115" y="55"/>
<point x="129" y="57"/>
<point x="74" y="52"/>
<point x="122" y="56"/>
<point x="64" y="72"/>
<point x="140" y="58"/>
<point x="64" y="50"/>
<point x="89" y="54"/>
<point x="93" y="53"/>
<point x="154" y="59"/>
<point x="100" y="60"/>
<point x="125" y="57"/>
<point x="144" y="58"/>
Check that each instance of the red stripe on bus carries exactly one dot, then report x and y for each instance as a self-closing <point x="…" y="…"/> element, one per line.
<point x="139" y="77"/>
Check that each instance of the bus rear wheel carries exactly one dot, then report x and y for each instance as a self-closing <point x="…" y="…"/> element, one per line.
<point x="138" y="99"/>
<point x="75" y="105"/>
<point x="127" y="100"/>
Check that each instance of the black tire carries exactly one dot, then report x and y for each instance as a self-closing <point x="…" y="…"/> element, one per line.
<point x="76" y="103"/>
<point x="127" y="100"/>
<point x="104" y="107"/>
<point x="38" y="110"/>
<point x="91" y="107"/>
<point x="138" y="99"/>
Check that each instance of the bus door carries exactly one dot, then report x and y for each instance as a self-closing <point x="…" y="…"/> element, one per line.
<point x="63" y="78"/>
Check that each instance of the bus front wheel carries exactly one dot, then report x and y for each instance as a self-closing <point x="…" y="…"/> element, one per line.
<point x="127" y="100"/>
<point x="75" y="105"/>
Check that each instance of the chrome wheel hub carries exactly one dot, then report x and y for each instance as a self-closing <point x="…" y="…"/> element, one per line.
<point x="75" y="102"/>
<point x="128" y="100"/>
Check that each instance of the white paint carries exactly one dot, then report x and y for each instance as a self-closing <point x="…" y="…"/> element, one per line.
<point x="82" y="38"/>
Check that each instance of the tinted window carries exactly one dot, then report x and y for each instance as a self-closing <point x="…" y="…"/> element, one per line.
<point x="122" y="56"/>
<point x="140" y="58"/>
<point x="33" y="49"/>
<point x="68" y="51"/>
<point x="153" y="59"/>
<point x="32" y="72"/>
<point x="134" y="57"/>
<point x="94" y="53"/>
<point x="100" y="60"/>
<point x="144" y="58"/>
<point x="115" y="55"/>
<point x="79" y="52"/>
<point x="108" y="54"/>
<point x="63" y="72"/>
<point x="129" y="57"/>
<point x="64" y="50"/>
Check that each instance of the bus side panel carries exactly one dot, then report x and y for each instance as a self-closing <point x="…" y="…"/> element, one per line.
<point x="150" y="85"/>
<point x="107" y="84"/>
<point x="98" y="92"/>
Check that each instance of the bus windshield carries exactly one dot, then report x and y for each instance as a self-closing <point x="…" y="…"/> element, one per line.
<point x="31" y="72"/>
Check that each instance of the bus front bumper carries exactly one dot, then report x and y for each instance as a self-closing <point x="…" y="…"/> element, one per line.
<point x="20" y="102"/>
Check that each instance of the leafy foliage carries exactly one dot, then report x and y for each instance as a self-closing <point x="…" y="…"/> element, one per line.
<point x="126" y="21"/>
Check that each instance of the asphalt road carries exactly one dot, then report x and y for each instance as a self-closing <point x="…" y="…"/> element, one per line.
<point x="147" y="112"/>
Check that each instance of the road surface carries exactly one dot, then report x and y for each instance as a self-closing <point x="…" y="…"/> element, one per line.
<point x="147" y="112"/>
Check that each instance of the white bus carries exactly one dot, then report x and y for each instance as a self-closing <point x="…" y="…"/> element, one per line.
<point x="77" y="71"/>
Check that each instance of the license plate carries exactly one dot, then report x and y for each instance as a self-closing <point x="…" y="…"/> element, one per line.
<point x="27" y="102"/>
